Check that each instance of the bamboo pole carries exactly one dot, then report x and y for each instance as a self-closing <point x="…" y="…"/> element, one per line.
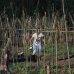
<point x="47" y="30"/>
<point x="71" y="20"/>
<point x="26" y="46"/>
<point x="62" y="47"/>
<point x="44" y="20"/>
<point x="56" y="51"/>
<point x="29" y="22"/>
<point x="37" y="17"/>
<point x="66" y="34"/>
<point x="53" y="31"/>
<point x="24" y="41"/>
<point x="48" y="69"/>
<point x="63" y="8"/>
<point x="13" y="39"/>
<point x="67" y="47"/>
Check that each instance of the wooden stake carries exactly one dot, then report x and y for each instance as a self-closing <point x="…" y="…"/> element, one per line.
<point x="67" y="48"/>
<point x="48" y="69"/>
<point x="56" y="51"/>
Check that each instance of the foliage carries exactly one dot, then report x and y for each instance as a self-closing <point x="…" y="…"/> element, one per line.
<point x="41" y="70"/>
<point x="16" y="66"/>
<point x="72" y="71"/>
<point x="24" y="69"/>
<point x="32" y="70"/>
<point x="31" y="5"/>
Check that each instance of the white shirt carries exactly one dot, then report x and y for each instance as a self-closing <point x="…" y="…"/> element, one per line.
<point x="37" y="39"/>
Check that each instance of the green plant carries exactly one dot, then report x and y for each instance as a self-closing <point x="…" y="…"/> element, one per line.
<point x="52" y="65"/>
<point x="41" y="70"/>
<point x="48" y="48"/>
<point x="24" y="69"/>
<point x="16" y="66"/>
<point x="71" y="50"/>
<point x="23" y="48"/>
<point x="68" y="71"/>
<point x="72" y="71"/>
<point x="56" y="70"/>
<point x="32" y="70"/>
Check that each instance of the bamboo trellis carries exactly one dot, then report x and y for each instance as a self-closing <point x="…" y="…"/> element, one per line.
<point x="56" y="29"/>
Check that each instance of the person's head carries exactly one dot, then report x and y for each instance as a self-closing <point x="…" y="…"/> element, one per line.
<point x="38" y="30"/>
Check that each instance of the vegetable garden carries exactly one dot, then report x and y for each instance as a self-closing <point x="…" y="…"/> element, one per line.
<point x="57" y="51"/>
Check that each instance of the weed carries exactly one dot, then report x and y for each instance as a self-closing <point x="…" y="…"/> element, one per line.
<point x="16" y="66"/>
<point x="24" y="70"/>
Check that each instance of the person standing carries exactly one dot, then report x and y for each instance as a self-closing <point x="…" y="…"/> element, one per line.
<point x="37" y="39"/>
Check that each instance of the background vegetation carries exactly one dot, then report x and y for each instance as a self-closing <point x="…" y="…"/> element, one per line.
<point x="31" y="7"/>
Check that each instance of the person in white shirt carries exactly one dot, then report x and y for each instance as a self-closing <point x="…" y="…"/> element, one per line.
<point x="37" y="38"/>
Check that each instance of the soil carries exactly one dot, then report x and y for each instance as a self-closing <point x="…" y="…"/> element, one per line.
<point x="46" y="60"/>
<point x="62" y="65"/>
